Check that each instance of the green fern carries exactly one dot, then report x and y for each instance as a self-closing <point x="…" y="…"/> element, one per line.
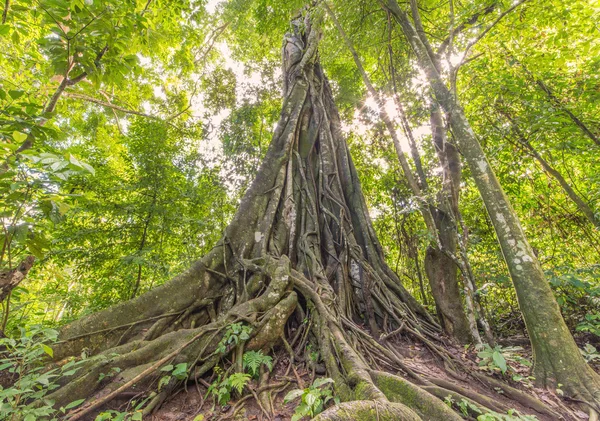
<point x="252" y="361"/>
<point x="238" y="381"/>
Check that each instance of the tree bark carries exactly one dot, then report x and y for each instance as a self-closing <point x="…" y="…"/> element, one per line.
<point x="13" y="277"/>
<point x="556" y="356"/>
<point x="440" y="268"/>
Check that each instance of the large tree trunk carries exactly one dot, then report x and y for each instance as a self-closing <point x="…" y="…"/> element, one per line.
<point x="556" y="356"/>
<point x="302" y="228"/>
<point x="301" y="243"/>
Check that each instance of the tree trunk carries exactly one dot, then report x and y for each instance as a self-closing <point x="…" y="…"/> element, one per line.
<point x="444" y="284"/>
<point x="11" y="278"/>
<point x="556" y="356"/>
<point x="440" y="268"/>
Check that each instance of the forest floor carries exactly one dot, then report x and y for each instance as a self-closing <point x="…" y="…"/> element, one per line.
<point x="190" y="402"/>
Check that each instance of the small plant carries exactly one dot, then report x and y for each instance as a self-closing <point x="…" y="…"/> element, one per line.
<point x="179" y="372"/>
<point x="498" y="358"/>
<point x="465" y="407"/>
<point x="591" y="324"/>
<point x="135" y="414"/>
<point x="234" y="334"/>
<point x="470" y="410"/>
<point x="526" y="381"/>
<point x="313" y="398"/>
<point x="590" y="353"/>
<point x="221" y="389"/>
<point x="314" y="356"/>
<point x="253" y="360"/>
<point x="23" y="360"/>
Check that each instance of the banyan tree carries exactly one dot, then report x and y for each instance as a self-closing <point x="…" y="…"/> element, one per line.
<point x="300" y="262"/>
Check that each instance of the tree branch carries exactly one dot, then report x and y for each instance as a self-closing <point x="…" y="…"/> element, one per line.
<point x="463" y="61"/>
<point x="5" y="12"/>
<point x="84" y="74"/>
<point x="488" y="29"/>
<point x="108" y="104"/>
<point x="453" y="33"/>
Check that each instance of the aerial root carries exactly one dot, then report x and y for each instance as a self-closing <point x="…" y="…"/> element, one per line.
<point x="352" y="357"/>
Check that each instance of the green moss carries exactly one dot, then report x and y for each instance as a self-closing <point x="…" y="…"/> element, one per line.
<point x="425" y="404"/>
<point x="368" y="411"/>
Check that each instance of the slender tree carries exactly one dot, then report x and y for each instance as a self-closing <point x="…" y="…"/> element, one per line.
<point x="556" y="356"/>
<point x="444" y="284"/>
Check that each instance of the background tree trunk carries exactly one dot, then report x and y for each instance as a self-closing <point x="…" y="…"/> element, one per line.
<point x="440" y="268"/>
<point x="556" y="356"/>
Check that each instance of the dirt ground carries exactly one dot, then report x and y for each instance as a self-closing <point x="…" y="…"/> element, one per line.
<point x="191" y="403"/>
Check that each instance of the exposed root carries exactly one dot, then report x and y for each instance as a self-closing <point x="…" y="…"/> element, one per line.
<point x="517" y="395"/>
<point x="417" y="398"/>
<point x="444" y="388"/>
<point x="368" y="411"/>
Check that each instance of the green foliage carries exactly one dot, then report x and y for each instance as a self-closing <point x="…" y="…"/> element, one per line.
<point x="113" y="415"/>
<point x="222" y="388"/>
<point x="113" y="203"/>
<point x="498" y="358"/>
<point x="178" y="372"/>
<point x="234" y="334"/>
<point x="591" y="324"/>
<point x="253" y="360"/>
<point x="32" y="202"/>
<point x="23" y="361"/>
<point x="313" y="399"/>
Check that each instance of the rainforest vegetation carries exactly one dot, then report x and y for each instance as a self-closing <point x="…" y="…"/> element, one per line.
<point x="290" y="209"/>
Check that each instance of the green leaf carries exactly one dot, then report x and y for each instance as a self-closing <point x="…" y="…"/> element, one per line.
<point x="16" y="93"/>
<point x="500" y="361"/>
<point x="19" y="137"/>
<point x="293" y="395"/>
<point x="164" y="380"/>
<point x="48" y="350"/>
<point x="34" y="247"/>
<point x="180" y="369"/>
<point x="4" y="30"/>
<point x="5" y="366"/>
<point x="75" y="403"/>
<point x="168" y="367"/>
<point x="310" y="398"/>
<point x="238" y="381"/>
<point x="137" y="416"/>
<point x="321" y="381"/>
